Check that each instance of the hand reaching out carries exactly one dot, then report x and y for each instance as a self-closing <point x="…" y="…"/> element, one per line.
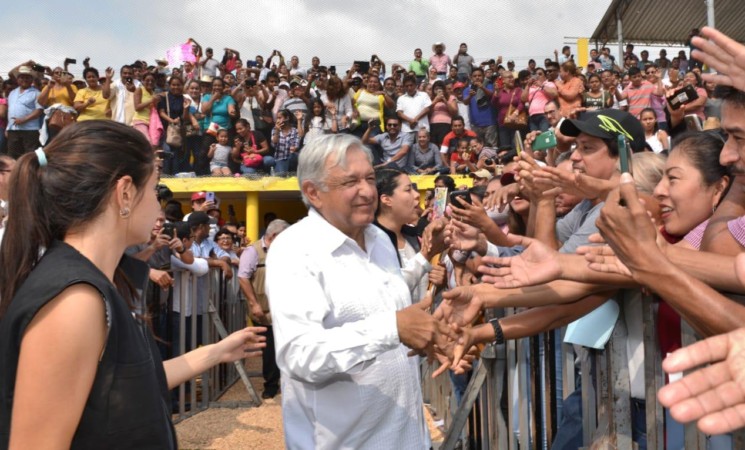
<point x="421" y="331"/>
<point x="471" y="214"/>
<point x="723" y="54"/>
<point x="714" y="395"/>
<point x="537" y="264"/>
<point x="602" y="258"/>
<point x="628" y="229"/>
<point x="245" y="343"/>
<point x="461" y="305"/>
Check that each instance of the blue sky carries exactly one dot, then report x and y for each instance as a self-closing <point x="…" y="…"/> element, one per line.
<point x="116" y="32"/>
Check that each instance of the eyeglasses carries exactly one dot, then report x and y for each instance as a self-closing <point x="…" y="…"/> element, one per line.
<point x="550" y="70"/>
<point x="224" y="238"/>
<point x="392" y="124"/>
<point x="550" y="112"/>
<point x="651" y="72"/>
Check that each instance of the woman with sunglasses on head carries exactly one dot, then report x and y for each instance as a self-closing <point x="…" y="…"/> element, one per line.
<point x="59" y="89"/>
<point x="80" y="366"/>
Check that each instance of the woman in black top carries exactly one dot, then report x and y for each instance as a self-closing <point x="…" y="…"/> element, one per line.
<point x="80" y="369"/>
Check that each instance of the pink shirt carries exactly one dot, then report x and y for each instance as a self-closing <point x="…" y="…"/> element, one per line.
<point x="640" y="97"/>
<point x="441" y="63"/>
<point x="440" y="112"/>
<point x="737" y="229"/>
<point x="538" y="98"/>
<point x="700" y="110"/>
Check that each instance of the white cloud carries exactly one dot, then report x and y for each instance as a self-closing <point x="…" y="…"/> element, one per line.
<point x="338" y="31"/>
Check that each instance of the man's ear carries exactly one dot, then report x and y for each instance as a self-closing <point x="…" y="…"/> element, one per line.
<point x="311" y="191"/>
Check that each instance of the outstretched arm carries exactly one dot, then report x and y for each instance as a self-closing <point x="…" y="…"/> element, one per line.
<point x="243" y="343"/>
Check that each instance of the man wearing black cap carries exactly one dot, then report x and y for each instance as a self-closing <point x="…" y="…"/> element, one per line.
<point x="595" y="155"/>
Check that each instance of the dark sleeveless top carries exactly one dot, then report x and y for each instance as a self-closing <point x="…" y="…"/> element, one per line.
<point x="129" y="404"/>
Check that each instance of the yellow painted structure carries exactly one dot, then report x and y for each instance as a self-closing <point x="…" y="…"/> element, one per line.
<point x="583" y="52"/>
<point x="251" y="199"/>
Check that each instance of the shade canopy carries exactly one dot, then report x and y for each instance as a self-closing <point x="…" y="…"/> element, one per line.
<point x="667" y="22"/>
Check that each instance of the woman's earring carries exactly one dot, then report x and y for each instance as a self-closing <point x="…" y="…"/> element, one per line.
<point x="124" y="212"/>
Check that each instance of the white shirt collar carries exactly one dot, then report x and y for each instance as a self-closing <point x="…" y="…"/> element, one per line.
<point x="333" y="238"/>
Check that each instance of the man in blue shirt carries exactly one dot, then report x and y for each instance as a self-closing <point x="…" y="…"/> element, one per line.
<point x="482" y="114"/>
<point x="24" y="115"/>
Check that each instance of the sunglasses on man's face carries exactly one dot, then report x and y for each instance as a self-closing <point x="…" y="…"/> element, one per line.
<point x="392" y="124"/>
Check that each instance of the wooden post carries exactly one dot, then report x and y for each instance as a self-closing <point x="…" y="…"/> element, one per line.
<point x="589" y="418"/>
<point x="620" y="386"/>
<point x="653" y="377"/>
<point x="694" y="439"/>
<point x="495" y="383"/>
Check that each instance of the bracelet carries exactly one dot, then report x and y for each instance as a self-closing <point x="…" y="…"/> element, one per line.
<point x="182" y="251"/>
<point x="498" y="334"/>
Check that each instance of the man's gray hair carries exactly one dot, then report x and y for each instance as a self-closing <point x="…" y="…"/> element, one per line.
<point x="276" y="226"/>
<point x="312" y="162"/>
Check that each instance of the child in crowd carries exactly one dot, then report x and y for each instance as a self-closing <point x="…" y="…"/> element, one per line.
<point x="463" y="160"/>
<point x="218" y="155"/>
<point x="322" y="121"/>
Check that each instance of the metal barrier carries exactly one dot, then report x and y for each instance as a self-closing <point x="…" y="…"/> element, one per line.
<point x="512" y="393"/>
<point x="219" y="309"/>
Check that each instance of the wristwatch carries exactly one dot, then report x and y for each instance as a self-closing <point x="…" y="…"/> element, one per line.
<point x="498" y="334"/>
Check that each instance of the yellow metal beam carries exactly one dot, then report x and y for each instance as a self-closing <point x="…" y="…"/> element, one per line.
<point x="252" y="215"/>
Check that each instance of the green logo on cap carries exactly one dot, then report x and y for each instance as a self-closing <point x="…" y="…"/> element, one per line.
<point x="611" y="125"/>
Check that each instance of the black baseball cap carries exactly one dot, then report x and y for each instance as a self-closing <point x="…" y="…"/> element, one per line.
<point x="198" y="218"/>
<point x="607" y="124"/>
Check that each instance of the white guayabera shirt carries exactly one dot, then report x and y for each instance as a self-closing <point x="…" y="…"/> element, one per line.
<point x="347" y="381"/>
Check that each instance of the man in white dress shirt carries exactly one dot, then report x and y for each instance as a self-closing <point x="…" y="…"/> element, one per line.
<point x="343" y="316"/>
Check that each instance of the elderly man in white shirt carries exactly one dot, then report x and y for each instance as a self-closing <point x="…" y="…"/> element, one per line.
<point x="343" y="316"/>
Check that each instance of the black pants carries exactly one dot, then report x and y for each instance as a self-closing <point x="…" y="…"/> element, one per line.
<point x="21" y="142"/>
<point x="269" y="371"/>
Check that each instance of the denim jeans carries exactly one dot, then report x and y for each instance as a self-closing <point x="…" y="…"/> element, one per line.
<point x="283" y="167"/>
<point x="506" y="137"/>
<point x="538" y="122"/>
<point x="569" y="435"/>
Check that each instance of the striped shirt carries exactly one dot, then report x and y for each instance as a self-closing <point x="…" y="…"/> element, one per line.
<point x="640" y="97"/>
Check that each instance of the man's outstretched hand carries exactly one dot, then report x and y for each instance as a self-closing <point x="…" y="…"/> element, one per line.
<point x="714" y="395"/>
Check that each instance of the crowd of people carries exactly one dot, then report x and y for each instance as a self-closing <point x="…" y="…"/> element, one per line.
<point x="344" y="296"/>
<point x="270" y="110"/>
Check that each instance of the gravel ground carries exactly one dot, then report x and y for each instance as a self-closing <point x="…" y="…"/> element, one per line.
<point x="246" y="428"/>
<point x="236" y="428"/>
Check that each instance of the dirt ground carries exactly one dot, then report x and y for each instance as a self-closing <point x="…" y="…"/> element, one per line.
<point x="245" y="428"/>
<point x="236" y="428"/>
